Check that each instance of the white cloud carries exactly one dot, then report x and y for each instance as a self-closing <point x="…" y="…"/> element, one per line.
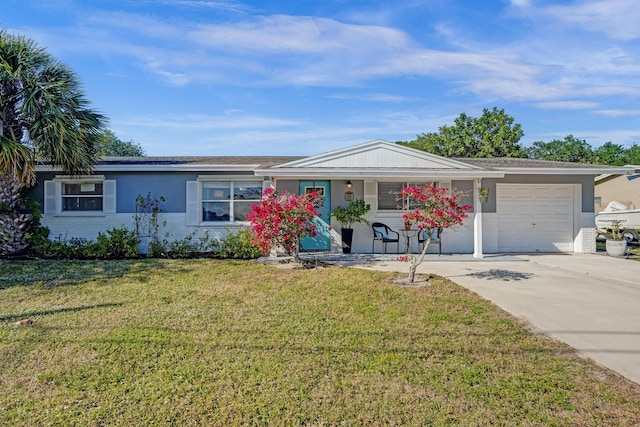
<point x="297" y="34"/>
<point x="616" y="18"/>
<point x="230" y="6"/>
<point x="618" y="113"/>
<point x="306" y="51"/>
<point x="567" y="105"/>
<point x="199" y="122"/>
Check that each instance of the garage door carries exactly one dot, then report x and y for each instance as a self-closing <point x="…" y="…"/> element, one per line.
<point x="535" y="218"/>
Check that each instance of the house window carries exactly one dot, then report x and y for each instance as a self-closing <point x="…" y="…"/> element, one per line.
<point x="79" y="196"/>
<point x="390" y="195"/>
<point x="229" y="201"/>
<point x="85" y="196"/>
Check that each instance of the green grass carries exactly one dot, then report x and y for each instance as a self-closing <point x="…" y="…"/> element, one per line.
<point x="206" y="342"/>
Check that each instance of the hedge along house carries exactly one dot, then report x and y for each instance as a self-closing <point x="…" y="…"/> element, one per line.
<point x="533" y="206"/>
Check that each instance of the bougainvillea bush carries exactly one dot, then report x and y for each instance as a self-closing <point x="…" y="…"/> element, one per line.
<point x="283" y="220"/>
<point x="435" y="207"/>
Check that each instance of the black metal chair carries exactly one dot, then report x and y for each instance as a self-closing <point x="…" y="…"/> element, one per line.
<point x="424" y="234"/>
<point x="384" y="234"/>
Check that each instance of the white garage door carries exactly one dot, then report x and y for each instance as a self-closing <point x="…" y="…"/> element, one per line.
<point x="535" y="218"/>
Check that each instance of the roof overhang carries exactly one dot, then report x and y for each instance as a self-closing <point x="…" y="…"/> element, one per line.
<point x="605" y="175"/>
<point x="569" y="171"/>
<point x="192" y="167"/>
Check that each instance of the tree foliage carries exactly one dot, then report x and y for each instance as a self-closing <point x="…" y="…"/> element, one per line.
<point x="493" y="134"/>
<point x="110" y="145"/>
<point x="572" y="149"/>
<point x="44" y="112"/>
<point x="283" y="220"/>
<point x="610" y="154"/>
<point x="436" y="208"/>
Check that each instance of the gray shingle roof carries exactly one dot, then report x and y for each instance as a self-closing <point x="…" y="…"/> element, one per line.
<point x="497" y="163"/>
<point x="262" y="161"/>
<point x="511" y="162"/>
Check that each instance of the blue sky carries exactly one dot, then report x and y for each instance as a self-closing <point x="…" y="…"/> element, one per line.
<point x="282" y="77"/>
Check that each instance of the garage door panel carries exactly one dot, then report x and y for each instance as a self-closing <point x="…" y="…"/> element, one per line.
<point x="535" y="218"/>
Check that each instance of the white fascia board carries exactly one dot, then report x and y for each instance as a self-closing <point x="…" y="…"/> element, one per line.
<point x="160" y="168"/>
<point x="378" y="173"/>
<point x="636" y="169"/>
<point x="568" y="171"/>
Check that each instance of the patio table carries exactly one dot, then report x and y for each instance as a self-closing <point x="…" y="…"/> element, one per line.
<point x="408" y="235"/>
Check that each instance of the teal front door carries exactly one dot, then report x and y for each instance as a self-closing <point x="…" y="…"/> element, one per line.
<point x="322" y="242"/>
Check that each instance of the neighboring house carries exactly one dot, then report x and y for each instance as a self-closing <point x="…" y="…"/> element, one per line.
<point x="624" y="189"/>
<point x="533" y="206"/>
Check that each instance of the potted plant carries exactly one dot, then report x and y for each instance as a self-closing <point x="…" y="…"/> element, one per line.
<point x="616" y="244"/>
<point x="484" y="194"/>
<point x="410" y="218"/>
<point x="347" y="216"/>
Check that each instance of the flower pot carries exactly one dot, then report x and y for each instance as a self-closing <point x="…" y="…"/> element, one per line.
<point x="347" y="240"/>
<point x="484" y="199"/>
<point x="616" y="248"/>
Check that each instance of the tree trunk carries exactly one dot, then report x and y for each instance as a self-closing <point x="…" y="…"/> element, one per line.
<point x="416" y="262"/>
<point x="13" y="223"/>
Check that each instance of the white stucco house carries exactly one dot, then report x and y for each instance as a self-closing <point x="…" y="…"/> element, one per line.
<point x="533" y="206"/>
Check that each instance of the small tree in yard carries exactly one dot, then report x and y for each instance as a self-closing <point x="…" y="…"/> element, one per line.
<point x="436" y="208"/>
<point x="283" y="220"/>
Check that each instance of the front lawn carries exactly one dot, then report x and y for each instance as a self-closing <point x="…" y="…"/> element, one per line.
<point x="205" y="342"/>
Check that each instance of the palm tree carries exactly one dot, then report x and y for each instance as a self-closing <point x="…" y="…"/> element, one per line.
<point x="44" y="117"/>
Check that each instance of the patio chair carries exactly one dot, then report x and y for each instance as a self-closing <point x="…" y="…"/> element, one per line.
<point x="384" y="234"/>
<point x="424" y="234"/>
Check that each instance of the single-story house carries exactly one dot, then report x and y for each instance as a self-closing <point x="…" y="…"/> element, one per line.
<point x="533" y="206"/>
<point x="624" y="189"/>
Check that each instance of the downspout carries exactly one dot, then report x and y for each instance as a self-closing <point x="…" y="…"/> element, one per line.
<point x="477" y="220"/>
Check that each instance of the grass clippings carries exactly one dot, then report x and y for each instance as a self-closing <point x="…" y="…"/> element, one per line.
<point x="223" y="343"/>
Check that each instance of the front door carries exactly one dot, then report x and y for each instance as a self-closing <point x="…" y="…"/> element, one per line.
<point x="322" y="242"/>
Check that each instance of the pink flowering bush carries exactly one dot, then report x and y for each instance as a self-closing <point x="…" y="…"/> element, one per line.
<point x="436" y="208"/>
<point x="283" y="219"/>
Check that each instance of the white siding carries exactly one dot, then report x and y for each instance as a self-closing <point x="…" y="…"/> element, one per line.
<point x="371" y="194"/>
<point x="586" y="239"/>
<point x="88" y="227"/>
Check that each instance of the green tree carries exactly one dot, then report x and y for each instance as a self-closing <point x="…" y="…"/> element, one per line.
<point x="45" y="116"/>
<point x="632" y="155"/>
<point x="110" y="145"/>
<point x="571" y="149"/>
<point x="610" y="154"/>
<point x="44" y="112"/>
<point x="493" y="134"/>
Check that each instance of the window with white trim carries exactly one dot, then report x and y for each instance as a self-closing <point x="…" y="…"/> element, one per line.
<point x="85" y="196"/>
<point x="229" y="201"/>
<point x="390" y="195"/>
<point x="79" y="195"/>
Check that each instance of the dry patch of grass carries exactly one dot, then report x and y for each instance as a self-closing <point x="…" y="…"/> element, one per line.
<point x="238" y="343"/>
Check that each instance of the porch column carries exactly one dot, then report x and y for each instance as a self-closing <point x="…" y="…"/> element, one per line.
<point x="477" y="220"/>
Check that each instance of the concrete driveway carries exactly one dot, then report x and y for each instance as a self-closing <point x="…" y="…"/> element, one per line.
<point x="591" y="302"/>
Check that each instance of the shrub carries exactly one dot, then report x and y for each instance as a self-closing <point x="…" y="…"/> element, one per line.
<point x="187" y="247"/>
<point x="115" y="243"/>
<point x="238" y="245"/>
